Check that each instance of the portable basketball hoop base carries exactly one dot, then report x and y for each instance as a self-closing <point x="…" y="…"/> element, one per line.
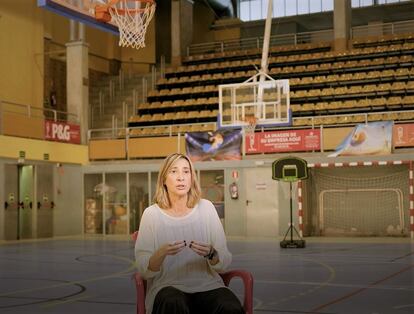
<point x="291" y="243"/>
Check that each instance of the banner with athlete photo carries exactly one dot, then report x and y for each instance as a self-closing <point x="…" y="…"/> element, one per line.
<point x="218" y="145"/>
<point x="373" y="138"/>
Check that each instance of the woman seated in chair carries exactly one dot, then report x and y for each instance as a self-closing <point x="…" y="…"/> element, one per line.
<point x="181" y="247"/>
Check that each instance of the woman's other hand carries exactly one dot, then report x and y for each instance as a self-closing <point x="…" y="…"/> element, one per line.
<point x="159" y="256"/>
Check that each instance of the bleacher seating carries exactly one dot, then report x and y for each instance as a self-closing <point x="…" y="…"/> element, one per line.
<point x="373" y="81"/>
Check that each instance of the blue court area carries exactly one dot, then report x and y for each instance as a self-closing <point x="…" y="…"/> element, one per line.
<point x="331" y="275"/>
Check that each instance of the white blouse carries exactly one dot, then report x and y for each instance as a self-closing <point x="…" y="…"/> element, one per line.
<point x="186" y="270"/>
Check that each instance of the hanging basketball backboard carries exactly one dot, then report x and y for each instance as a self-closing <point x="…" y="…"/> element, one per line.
<point x="79" y="10"/>
<point x="265" y="101"/>
<point x="127" y="18"/>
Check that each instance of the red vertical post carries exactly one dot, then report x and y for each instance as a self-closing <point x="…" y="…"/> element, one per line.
<point x="411" y="198"/>
<point x="300" y="208"/>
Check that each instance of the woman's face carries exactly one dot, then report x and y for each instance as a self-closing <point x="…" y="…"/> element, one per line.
<point x="178" y="179"/>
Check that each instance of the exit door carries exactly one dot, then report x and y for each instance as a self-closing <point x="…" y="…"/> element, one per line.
<point x="45" y="203"/>
<point x="11" y="203"/>
<point x="262" y="203"/>
<point x="25" y="212"/>
<point x="28" y="206"/>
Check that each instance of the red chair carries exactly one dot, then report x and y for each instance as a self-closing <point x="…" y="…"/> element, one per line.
<point x="245" y="276"/>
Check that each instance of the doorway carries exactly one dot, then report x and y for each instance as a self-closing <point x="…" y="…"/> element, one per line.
<point x="28" y="207"/>
<point x="262" y="203"/>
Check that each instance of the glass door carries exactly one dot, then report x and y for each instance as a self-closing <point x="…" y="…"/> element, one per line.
<point x="212" y="188"/>
<point x="94" y="189"/>
<point x="138" y="198"/>
<point x="115" y="204"/>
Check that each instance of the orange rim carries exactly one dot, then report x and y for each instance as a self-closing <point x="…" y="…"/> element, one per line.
<point x="112" y="3"/>
<point x="251" y="120"/>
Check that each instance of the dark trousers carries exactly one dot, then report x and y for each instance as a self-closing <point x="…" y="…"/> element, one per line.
<point x="170" y="300"/>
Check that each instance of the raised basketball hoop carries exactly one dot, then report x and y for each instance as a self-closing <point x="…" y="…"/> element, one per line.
<point x="132" y="18"/>
<point x="250" y="126"/>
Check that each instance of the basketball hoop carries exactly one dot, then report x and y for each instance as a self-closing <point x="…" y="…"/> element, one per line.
<point x="132" y="18"/>
<point x="250" y="126"/>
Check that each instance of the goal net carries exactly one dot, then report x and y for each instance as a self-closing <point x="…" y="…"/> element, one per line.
<point x="357" y="201"/>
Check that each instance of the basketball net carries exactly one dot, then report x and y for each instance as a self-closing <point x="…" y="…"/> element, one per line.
<point x="132" y="18"/>
<point x="249" y="127"/>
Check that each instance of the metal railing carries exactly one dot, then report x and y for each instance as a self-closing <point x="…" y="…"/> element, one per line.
<point x="36" y="112"/>
<point x="300" y="38"/>
<point x="380" y="29"/>
<point x="257" y="42"/>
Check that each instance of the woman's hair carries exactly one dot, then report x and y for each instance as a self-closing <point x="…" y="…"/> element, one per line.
<point x="161" y="197"/>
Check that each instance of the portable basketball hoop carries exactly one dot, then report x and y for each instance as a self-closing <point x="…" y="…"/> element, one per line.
<point x="132" y="18"/>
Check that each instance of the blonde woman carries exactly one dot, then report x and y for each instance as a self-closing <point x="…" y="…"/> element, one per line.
<point x="181" y="247"/>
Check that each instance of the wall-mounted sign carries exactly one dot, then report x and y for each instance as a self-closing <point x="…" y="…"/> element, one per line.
<point x="403" y="135"/>
<point x="62" y="132"/>
<point x="261" y="186"/>
<point x="284" y="141"/>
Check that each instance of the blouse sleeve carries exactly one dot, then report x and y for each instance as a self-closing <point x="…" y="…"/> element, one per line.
<point x="145" y="245"/>
<point x="218" y="241"/>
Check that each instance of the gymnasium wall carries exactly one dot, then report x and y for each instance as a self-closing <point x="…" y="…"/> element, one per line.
<point x="35" y="150"/>
<point x="203" y="18"/>
<point x="2" y="200"/>
<point x="21" y="47"/>
<point x="235" y="209"/>
<point x="68" y="215"/>
<point x="23" y="27"/>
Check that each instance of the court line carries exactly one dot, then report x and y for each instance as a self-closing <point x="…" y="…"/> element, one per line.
<point x="351" y="294"/>
<point x="332" y="275"/>
<point x="335" y="285"/>
<point x="131" y="267"/>
<point x="50" y="304"/>
<point x="398" y="307"/>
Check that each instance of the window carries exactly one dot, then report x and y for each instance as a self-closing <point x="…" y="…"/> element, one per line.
<point x="251" y="10"/>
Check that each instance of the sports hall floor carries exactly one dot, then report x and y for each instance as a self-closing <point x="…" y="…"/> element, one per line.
<point x="331" y="275"/>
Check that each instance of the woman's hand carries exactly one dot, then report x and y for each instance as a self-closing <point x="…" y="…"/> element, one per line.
<point x="172" y="248"/>
<point x="159" y="256"/>
<point x="204" y="250"/>
<point x="200" y="248"/>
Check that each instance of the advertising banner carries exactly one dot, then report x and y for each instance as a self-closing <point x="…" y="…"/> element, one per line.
<point x="403" y="135"/>
<point x="62" y="132"/>
<point x="219" y="145"/>
<point x="373" y="138"/>
<point x="284" y="141"/>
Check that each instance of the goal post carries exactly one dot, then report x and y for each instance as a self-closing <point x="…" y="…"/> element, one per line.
<point x="357" y="201"/>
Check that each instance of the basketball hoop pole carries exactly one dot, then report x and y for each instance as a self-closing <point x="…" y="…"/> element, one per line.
<point x="265" y="55"/>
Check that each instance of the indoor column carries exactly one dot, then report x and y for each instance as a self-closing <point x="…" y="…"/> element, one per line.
<point x="77" y="78"/>
<point x="342" y="24"/>
<point x="181" y="29"/>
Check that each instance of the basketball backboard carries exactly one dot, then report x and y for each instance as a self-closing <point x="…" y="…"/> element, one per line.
<point x="79" y="10"/>
<point x="267" y="101"/>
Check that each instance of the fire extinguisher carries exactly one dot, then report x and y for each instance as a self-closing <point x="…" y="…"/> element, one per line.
<point x="234" y="191"/>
